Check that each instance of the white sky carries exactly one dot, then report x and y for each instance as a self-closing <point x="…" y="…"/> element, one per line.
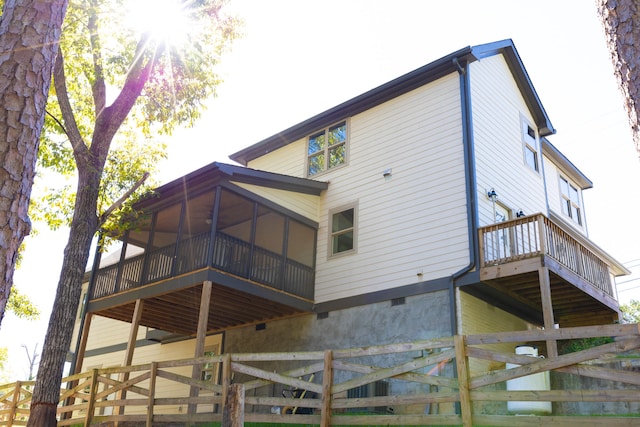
<point x="299" y="58"/>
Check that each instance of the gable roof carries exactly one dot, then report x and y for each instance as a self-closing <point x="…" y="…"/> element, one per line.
<point x="401" y="85"/>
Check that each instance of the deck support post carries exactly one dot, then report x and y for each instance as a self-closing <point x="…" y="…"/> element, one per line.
<point x="131" y="345"/>
<point x="547" y="309"/>
<point x="83" y="343"/>
<point x="203" y="318"/>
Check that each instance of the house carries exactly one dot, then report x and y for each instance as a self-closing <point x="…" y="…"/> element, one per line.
<point x="432" y="205"/>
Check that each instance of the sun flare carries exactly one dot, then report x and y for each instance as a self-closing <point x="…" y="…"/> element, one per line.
<point x="167" y="21"/>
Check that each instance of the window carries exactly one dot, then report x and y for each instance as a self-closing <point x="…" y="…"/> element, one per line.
<point x="570" y="199"/>
<point x="530" y="146"/>
<point x="343" y="231"/>
<point x="210" y="369"/>
<point x="327" y="149"/>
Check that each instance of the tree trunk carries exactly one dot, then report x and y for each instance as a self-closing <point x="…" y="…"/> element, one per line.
<point x="622" y="32"/>
<point x="57" y="342"/>
<point x="29" y="36"/>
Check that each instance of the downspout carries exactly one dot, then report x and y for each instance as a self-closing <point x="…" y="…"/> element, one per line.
<point x="470" y="187"/>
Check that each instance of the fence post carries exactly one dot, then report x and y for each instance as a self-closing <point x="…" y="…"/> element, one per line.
<point x="463" y="380"/>
<point x="226" y="376"/>
<point x="92" y="397"/>
<point x="152" y="392"/>
<point x="17" y="391"/>
<point x="327" y="383"/>
<point x="233" y="410"/>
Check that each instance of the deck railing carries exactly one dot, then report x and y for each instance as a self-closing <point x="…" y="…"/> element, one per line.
<point x="536" y="235"/>
<point x="229" y="254"/>
<point x="451" y="381"/>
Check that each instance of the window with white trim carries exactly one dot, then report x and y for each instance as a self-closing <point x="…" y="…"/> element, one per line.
<point x="530" y="146"/>
<point x="342" y="231"/>
<point x="210" y="369"/>
<point x="327" y="149"/>
<point x="570" y="199"/>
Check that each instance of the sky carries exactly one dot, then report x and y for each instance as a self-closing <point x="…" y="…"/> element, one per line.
<point x="300" y="57"/>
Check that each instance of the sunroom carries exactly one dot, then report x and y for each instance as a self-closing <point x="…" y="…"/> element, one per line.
<point x="213" y="232"/>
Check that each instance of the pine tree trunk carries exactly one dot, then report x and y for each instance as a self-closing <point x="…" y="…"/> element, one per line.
<point x="29" y="36"/>
<point x="621" y="25"/>
<point x="59" y="334"/>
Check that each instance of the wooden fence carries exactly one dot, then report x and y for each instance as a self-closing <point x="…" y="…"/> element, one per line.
<point x="454" y="381"/>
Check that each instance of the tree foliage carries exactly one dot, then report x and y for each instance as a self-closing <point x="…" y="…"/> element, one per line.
<point x="20" y="305"/>
<point x="113" y="88"/>
<point x="631" y="311"/>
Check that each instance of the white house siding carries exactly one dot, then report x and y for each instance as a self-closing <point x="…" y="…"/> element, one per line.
<point x="106" y="332"/>
<point x="288" y="160"/>
<point x="304" y="204"/>
<point x="552" y="174"/>
<point x="497" y="108"/>
<point x="412" y="222"/>
<point x="479" y="317"/>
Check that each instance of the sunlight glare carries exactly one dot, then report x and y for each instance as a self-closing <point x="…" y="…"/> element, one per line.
<point x="166" y="21"/>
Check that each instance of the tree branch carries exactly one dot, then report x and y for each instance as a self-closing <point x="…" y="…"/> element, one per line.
<point x="71" y="126"/>
<point x="118" y="203"/>
<point x="98" y="87"/>
<point x="58" y="122"/>
<point x="111" y="118"/>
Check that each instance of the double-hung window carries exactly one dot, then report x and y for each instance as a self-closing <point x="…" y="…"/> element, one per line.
<point x="530" y="146"/>
<point x="327" y="149"/>
<point x="570" y="199"/>
<point x="343" y="231"/>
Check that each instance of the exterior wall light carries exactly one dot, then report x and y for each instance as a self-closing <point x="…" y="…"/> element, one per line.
<point x="492" y="195"/>
<point x="520" y="213"/>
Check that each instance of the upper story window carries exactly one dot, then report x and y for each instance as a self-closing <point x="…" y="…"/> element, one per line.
<point x="570" y="196"/>
<point x="343" y="230"/>
<point x="530" y="146"/>
<point x="327" y="149"/>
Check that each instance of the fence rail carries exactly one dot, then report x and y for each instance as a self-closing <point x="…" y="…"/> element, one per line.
<point x="461" y="380"/>
<point x="536" y="235"/>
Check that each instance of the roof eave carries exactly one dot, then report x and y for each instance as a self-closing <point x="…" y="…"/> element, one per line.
<point x="401" y="85"/>
<point x="508" y="49"/>
<point x="228" y="172"/>
<point x="360" y="103"/>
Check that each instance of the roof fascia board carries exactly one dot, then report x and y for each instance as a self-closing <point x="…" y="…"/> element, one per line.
<point x="390" y="90"/>
<point x="565" y="165"/>
<point x="508" y="49"/>
<point x="404" y="84"/>
<point x="216" y="172"/>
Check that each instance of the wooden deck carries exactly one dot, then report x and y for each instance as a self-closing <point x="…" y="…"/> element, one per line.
<point x="580" y="276"/>
<point x="430" y="382"/>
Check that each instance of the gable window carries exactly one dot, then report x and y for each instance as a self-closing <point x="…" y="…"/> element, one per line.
<point x="530" y="146"/>
<point x="327" y="149"/>
<point x="570" y="196"/>
<point x="343" y="231"/>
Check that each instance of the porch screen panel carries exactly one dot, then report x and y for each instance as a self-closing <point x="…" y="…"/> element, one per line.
<point x="269" y="239"/>
<point x="163" y="247"/>
<point x="137" y="239"/>
<point x="299" y="272"/>
<point x="196" y="232"/>
<point x="233" y="236"/>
